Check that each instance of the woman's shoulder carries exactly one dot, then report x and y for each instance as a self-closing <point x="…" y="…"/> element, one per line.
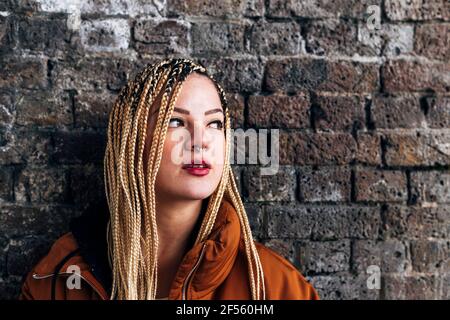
<point x="284" y="280"/>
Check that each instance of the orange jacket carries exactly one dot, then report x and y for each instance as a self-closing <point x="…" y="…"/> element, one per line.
<point x="215" y="269"/>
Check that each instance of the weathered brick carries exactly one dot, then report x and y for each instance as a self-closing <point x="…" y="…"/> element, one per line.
<point x="390" y="256"/>
<point x="320" y="9"/>
<point x="336" y="36"/>
<point x="107" y="35"/>
<point x="222" y="38"/>
<point x="24" y="146"/>
<point x="401" y="287"/>
<point x="161" y="36"/>
<point x="419" y="148"/>
<point x="417" y="10"/>
<point x="324" y="184"/>
<point x="7" y="108"/>
<point x="23" y="72"/>
<point x="44" y="109"/>
<point x="397" y="112"/>
<point x="278" y="187"/>
<point x="430" y="256"/>
<point x="7" y="34"/>
<point x="284" y="247"/>
<point x="338" y="113"/>
<point x="414" y="76"/>
<point x="226" y="9"/>
<point x="6" y="183"/>
<point x="255" y="218"/>
<point x="275" y="38"/>
<point x="236" y="75"/>
<point x="344" y="287"/>
<point x="86" y="183"/>
<point x="92" y="108"/>
<point x="368" y="148"/>
<point x="412" y="222"/>
<point x="78" y="147"/>
<point x="236" y="107"/>
<point x="322" y="223"/>
<point x="41" y="185"/>
<point x="433" y="41"/>
<point x="305" y="148"/>
<point x="322" y="75"/>
<point x="430" y="186"/>
<point x="121" y="7"/>
<point x="380" y="185"/>
<point x="324" y="257"/>
<point x="438" y="112"/>
<point x="44" y="33"/>
<point x="279" y="111"/>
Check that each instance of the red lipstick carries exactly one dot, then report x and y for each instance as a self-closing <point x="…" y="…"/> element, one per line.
<point x="201" y="169"/>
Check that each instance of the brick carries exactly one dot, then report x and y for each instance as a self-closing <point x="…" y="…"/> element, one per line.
<point x="414" y="76"/>
<point x="415" y="149"/>
<point x="344" y="287"/>
<point x="107" y="35"/>
<point x="7" y="33"/>
<point x="24" y="146"/>
<point x="430" y="186"/>
<point x="286" y="248"/>
<point x="430" y="256"/>
<point x="390" y="256"/>
<point x="417" y="10"/>
<point x="324" y="257"/>
<point x="433" y="41"/>
<point x="86" y="183"/>
<point x="397" y="112"/>
<point x="161" y="36"/>
<point x="319" y="9"/>
<point x="380" y="185"/>
<point x="121" y="7"/>
<point x="413" y="222"/>
<point x="317" y="74"/>
<point x="6" y="183"/>
<point x="255" y="218"/>
<point x="7" y="108"/>
<point x="438" y="112"/>
<point x="236" y="107"/>
<point x="401" y="287"/>
<point x="335" y="36"/>
<point x="44" y="33"/>
<point x="305" y="148"/>
<point x="323" y="223"/>
<point x="275" y="38"/>
<point x="278" y="187"/>
<point x="236" y="75"/>
<point x="281" y="111"/>
<point x="92" y="108"/>
<point x="29" y="73"/>
<point x="209" y="38"/>
<point x="226" y="9"/>
<point x="41" y="185"/>
<point x="78" y="147"/>
<point x="368" y="148"/>
<point x="324" y="184"/>
<point x="44" y="109"/>
<point x="338" y="113"/>
<point x="24" y="220"/>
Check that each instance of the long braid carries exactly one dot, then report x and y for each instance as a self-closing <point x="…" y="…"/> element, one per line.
<point x="132" y="230"/>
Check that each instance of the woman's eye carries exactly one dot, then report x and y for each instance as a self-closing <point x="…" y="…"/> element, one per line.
<point x="217" y="124"/>
<point x="174" y="123"/>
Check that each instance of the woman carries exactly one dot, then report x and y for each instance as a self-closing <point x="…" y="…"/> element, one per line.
<point x="173" y="225"/>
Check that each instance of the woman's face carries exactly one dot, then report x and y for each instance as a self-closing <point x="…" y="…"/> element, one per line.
<point x="197" y="120"/>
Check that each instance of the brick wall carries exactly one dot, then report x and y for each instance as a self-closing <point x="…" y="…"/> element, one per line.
<point x="363" y="115"/>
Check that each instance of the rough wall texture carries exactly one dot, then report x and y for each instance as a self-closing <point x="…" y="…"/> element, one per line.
<point x="363" y="115"/>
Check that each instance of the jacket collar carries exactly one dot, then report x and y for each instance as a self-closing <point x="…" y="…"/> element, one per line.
<point x="203" y="268"/>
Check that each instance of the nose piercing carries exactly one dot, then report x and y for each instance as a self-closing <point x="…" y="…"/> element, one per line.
<point x="197" y="148"/>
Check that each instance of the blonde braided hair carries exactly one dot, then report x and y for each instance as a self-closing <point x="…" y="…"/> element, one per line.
<point x="132" y="231"/>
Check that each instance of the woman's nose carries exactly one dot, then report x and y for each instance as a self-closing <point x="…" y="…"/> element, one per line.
<point x="199" y="139"/>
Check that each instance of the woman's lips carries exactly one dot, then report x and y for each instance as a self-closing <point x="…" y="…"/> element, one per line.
<point x="197" y="169"/>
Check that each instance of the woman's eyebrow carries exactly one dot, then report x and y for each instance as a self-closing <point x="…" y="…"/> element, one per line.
<point x="180" y="110"/>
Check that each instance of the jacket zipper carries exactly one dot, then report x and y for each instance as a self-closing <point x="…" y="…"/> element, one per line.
<point x="188" y="278"/>
<point x="45" y="276"/>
